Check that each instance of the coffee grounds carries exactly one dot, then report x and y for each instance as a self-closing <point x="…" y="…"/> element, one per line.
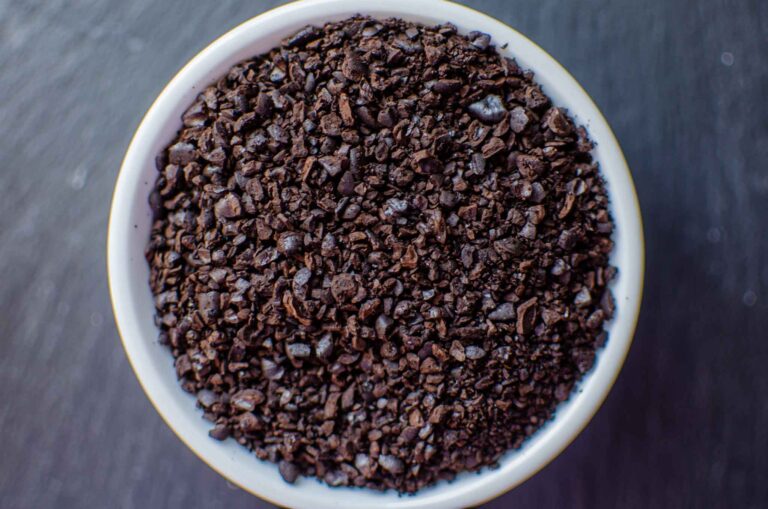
<point x="380" y="254"/>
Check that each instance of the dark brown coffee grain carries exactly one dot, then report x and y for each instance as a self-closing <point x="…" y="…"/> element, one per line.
<point x="380" y="254"/>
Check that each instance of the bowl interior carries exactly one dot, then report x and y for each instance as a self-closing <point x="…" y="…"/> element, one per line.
<point x="130" y="223"/>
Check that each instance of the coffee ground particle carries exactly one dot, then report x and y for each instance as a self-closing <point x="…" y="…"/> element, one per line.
<point x="380" y="254"/>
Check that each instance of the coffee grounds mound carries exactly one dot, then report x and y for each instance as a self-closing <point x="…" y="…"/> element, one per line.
<point x="380" y="254"/>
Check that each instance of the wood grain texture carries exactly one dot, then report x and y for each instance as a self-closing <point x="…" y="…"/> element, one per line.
<point x="684" y="85"/>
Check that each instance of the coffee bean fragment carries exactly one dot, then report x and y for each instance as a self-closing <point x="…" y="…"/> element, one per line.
<point x="363" y="465"/>
<point x="208" y="304"/>
<point x="446" y="86"/>
<point x="353" y="67"/>
<point x="583" y="298"/>
<point x="298" y="350"/>
<point x="367" y="117"/>
<point x="207" y="398"/>
<point x="493" y="147"/>
<point x="219" y="432"/>
<point x="530" y="167"/>
<point x="346" y="185"/>
<point x="518" y="119"/>
<point x="427" y="163"/>
<point x="271" y="370"/>
<point x="264" y="106"/>
<point x="608" y="305"/>
<point x="343" y="287"/>
<point x="449" y="199"/>
<point x="596" y="319"/>
<point x="457" y="351"/>
<point x="324" y="347"/>
<point x="489" y="109"/>
<point x="371" y="30"/>
<point x="288" y="471"/>
<point x="386" y="118"/>
<point x="246" y="400"/>
<point x="228" y="207"/>
<point x="369" y="309"/>
<point x="328" y="245"/>
<point x="331" y="405"/>
<point x="576" y="187"/>
<point x="248" y="423"/>
<point x="526" y="316"/>
<point x="562" y="391"/>
<point x="584" y="359"/>
<point x="247" y="122"/>
<point x="479" y="40"/>
<point x="568" y="238"/>
<point x="266" y="256"/>
<point x="391" y="464"/>
<point x="345" y="110"/>
<point x="380" y="254"/>
<point x="277" y="75"/>
<point x="534" y="98"/>
<point x="410" y="259"/>
<point x="289" y="243"/>
<point x="395" y="208"/>
<point x="332" y="164"/>
<point x="384" y="325"/>
<point x="336" y="478"/>
<point x="303" y="36"/>
<point x="558" y="123"/>
<point x="330" y="124"/>
<point x="196" y="115"/>
<point x="181" y="153"/>
<point x="438" y="414"/>
<point x="474" y="353"/>
<point x="504" y="313"/>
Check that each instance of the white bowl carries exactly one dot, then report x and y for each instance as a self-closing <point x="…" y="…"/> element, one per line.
<point x="130" y="223"/>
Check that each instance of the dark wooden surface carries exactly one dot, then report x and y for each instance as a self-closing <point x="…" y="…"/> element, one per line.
<point x="684" y="84"/>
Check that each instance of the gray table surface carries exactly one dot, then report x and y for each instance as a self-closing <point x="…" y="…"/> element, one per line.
<point x="683" y="83"/>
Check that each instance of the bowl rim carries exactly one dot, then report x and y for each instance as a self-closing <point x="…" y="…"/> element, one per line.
<point x="558" y="441"/>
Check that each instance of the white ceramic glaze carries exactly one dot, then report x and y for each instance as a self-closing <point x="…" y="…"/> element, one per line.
<point x="132" y="301"/>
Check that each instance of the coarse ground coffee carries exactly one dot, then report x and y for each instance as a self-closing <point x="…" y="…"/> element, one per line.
<point x="380" y="254"/>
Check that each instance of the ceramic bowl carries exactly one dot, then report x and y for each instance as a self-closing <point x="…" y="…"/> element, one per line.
<point x="130" y="223"/>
